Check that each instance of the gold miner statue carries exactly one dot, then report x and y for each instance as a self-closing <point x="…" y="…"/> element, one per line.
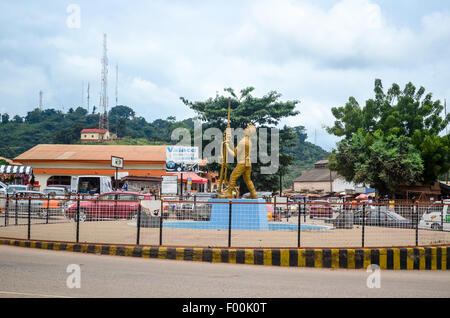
<point x="242" y="153"/>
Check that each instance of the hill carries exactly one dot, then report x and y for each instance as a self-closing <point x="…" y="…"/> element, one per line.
<point x="50" y="126"/>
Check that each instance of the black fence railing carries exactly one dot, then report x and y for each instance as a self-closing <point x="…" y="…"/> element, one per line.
<point x="203" y="221"/>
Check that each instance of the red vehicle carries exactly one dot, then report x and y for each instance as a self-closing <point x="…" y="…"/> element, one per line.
<point x="320" y="208"/>
<point x="110" y="205"/>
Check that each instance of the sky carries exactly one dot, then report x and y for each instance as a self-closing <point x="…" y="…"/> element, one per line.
<point x="318" y="52"/>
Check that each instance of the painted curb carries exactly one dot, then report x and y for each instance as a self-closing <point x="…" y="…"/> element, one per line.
<point x="414" y="258"/>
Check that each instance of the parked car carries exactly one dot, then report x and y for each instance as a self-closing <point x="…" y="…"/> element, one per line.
<point x="198" y="211"/>
<point x="381" y="216"/>
<point x="38" y="202"/>
<point x="263" y="195"/>
<point x="56" y="192"/>
<point x="281" y="208"/>
<point x="321" y="209"/>
<point x="11" y="189"/>
<point x="110" y="205"/>
<point x="436" y="217"/>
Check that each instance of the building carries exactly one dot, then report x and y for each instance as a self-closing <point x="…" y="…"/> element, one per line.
<point x="322" y="180"/>
<point x="93" y="134"/>
<point x="56" y="164"/>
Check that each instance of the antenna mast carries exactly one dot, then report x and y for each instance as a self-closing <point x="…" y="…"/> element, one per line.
<point x="82" y="93"/>
<point x="117" y="81"/>
<point x="88" y="98"/>
<point x="40" y="100"/>
<point x="104" y="89"/>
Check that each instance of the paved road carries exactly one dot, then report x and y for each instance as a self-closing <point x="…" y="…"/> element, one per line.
<point x="28" y="272"/>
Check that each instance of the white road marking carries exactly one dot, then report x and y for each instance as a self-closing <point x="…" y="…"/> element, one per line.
<point x="30" y="294"/>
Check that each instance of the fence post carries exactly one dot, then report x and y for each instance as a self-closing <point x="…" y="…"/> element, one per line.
<point x="138" y="224"/>
<point x="275" y="208"/>
<point x="417" y="223"/>
<point x="78" y="220"/>
<point x="287" y="210"/>
<point x="48" y="207"/>
<point x="17" y="212"/>
<point x="363" y="223"/>
<point x="304" y="210"/>
<point x="195" y="203"/>
<point x="442" y="216"/>
<point x="6" y="209"/>
<point x="229" y="222"/>
<point x="161" y="222"/>
<point x="29" y="218"/>
<point x="299" y="224"/>
<point x="116" y="197"/>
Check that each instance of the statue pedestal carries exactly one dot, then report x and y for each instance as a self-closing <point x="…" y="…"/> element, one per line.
<point x="246" y="214"/>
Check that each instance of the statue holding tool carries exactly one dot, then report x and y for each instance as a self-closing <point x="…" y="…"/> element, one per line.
<point x="242" y="154"/>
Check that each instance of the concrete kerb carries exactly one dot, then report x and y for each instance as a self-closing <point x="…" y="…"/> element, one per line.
<point x="396" y="258"/>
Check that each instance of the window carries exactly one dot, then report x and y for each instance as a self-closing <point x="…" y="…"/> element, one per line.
<point x="59" y="180"/>
<point x="110" y="196"/>
<point x="128" y="197"/>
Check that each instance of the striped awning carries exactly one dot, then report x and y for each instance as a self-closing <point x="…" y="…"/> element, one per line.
<point x="16" y="169"/>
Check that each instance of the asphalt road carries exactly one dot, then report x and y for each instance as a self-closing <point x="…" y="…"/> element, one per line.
<point x="26" y="272"/>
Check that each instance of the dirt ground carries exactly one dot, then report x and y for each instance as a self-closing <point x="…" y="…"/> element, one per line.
<point x="125" y="232"/>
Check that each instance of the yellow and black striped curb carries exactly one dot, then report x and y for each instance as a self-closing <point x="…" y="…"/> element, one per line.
<point x="419" y="258"/>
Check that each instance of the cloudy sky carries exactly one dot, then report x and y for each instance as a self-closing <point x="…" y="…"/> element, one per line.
<point x="318" y="52"/>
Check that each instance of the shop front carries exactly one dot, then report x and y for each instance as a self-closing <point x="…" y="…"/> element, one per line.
<point x="21" y="175"/>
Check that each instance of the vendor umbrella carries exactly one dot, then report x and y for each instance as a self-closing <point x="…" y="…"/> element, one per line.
<point x="362" y="196"/>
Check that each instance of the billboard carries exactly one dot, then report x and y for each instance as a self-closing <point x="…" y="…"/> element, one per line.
<point x="181" y="159"/>
<point x="169" y="185"/>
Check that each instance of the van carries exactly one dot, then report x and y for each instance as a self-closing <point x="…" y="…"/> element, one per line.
<point x="90" y="185"/>
<point x="436" y="218"/>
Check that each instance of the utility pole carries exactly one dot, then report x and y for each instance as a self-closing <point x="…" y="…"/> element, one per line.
<point x="104" y="88"/>
<point x="117" y="81"/>
<point x="40" y="100"/>
<point x="445" y="110"/>
<point x="88" y="98"/>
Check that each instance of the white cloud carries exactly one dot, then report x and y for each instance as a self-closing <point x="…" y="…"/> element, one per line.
<point x="319" y="54"/>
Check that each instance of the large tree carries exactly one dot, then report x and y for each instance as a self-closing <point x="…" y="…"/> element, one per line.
<point x="263" y="112"/>
<point x="398" y="125"/>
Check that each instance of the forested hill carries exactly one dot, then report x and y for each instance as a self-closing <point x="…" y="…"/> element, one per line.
<point x="50" y="126"/>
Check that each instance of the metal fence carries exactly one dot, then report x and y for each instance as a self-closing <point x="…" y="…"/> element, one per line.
<point x="211" y="222"/>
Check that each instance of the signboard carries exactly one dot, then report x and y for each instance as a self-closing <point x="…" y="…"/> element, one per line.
<point x="121" y="175"/>
<point x="117" y="162"/>
<point x="169" y="185"/>
<point x="151" y="207"/>
<point x="181" y="159"/>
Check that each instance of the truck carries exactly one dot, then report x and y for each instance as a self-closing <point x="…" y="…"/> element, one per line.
<point x="436" y="217"/>
<point x="90" y="184"/>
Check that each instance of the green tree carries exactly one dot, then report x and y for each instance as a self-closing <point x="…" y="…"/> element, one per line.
<point x="5" y="118"/>
<point x="408" y="116"/>
<point x="263" y="112"/>
<point x="383" y="162"/>
<point x="17" y="119"/>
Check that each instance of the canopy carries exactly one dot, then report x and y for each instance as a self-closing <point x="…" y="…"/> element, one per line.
<point x="364" y="196"/>
<point x="194" y="177"/>
<point x="16" y="169"/>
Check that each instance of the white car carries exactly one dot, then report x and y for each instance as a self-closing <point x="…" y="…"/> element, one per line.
<point x="436" y="218"/>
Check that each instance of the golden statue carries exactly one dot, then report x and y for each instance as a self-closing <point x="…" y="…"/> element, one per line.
<point x="244" y="165"/>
